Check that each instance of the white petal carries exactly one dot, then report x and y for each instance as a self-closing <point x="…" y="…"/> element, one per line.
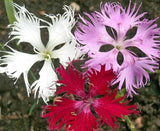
<point x="60" y="28"/>
<point x="26" y="28"/>
<point x="45" y="85"/>
<point x="67" y="53"/>
<point x="15" y="63"/>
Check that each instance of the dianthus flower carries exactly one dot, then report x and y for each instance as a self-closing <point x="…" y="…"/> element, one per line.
<point x="61" y="45"/>
<point x="106" y="36"/>
<point x="87" y="102"/>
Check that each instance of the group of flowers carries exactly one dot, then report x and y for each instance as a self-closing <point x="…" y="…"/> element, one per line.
<point x="84" y="101"/>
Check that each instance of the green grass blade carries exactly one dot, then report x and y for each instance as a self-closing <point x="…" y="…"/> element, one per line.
<point x="32" y="108"/>
<point x="10" y="10"/>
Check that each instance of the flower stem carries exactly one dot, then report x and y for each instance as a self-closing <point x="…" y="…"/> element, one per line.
<point x="127" y="119"/>
<point x="35" y="102"/>
<point x="130" y="124"/>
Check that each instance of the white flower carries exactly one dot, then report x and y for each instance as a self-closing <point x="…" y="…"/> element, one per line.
<point x="27" y="29"/>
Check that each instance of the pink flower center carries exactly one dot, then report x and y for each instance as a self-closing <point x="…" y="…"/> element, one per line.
<point x="88" y="101"/>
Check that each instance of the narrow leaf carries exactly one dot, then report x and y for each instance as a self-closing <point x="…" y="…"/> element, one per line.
<point x="10" y="10"/>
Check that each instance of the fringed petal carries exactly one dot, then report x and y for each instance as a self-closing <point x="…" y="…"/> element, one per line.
<point x="73" y="81"/>
<point x="115" y="16"/>
<point x="147" y="38"/>
<point x="134" y="73"/>
<point x="84" y="121"/>
<point x="91" y="34"/>
<point x="26" y="28"/>
<point x="60" y="113"/>
<point x="67" y="53"/>
<point x="100" y="81"/>
<point x="45" y="86"/>
<point x="109" y="109"/>
<point x="60" y="28"/>
<point x="16" y="63"/>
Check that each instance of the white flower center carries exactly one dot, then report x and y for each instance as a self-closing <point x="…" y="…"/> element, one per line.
<point x="46" y="54"/>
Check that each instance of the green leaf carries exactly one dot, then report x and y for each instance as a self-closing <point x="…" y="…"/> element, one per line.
<point x="121" y="93"/>
<point x="10" y="10"/>
<point x="2" y="47"/>
<point x="32" y="108"/>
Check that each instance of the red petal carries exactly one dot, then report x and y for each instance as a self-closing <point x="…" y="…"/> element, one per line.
<point x="100" y="81"/>
<point x="59" y="114"/>
<point x="73" y="81"/>
<point x="109" y="108"/>
<point x="84" y="121"/>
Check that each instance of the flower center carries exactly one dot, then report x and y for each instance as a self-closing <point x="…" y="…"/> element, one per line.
<point x="47" y="55"/>
<point x="88" y="101"/>
<point x="119" y="45"/>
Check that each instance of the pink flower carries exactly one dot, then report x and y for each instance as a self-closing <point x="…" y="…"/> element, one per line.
<point x="106" y="36"/>
<point x="87" y="103"/>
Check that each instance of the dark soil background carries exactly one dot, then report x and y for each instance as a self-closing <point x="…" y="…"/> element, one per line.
<point x="14" y="102"/>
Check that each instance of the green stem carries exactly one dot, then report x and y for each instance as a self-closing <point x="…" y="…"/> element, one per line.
<point x="10" y="10"/>
<point x="35" y="102"/>
<point x="130" y="124"/>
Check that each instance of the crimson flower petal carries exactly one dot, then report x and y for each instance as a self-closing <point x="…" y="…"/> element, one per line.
<point x="100" y="81"/>
<point x="59" y="113"/>
<point x="108" y="108"/>
<point x="84" y="121"/>
<point x="89" y="112"/>
<point x="73" y="81"/>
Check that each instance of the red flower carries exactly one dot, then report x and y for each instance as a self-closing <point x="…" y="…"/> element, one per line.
<point x="88" y="102"/>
